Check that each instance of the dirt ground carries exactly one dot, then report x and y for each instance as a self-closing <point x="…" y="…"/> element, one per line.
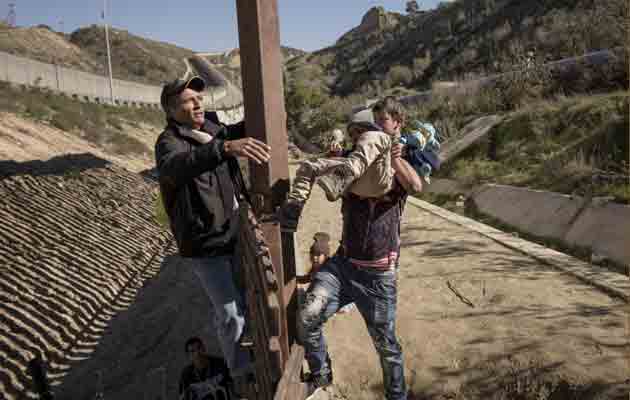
<point x="520" y="330"/>
<point x="528" y="331"/>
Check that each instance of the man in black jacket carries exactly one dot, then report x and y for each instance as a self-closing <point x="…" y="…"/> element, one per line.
<point x="201" y="185"/>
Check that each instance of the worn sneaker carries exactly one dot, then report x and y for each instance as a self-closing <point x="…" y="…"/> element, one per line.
<point x="316" y="383"/>
<point x="336" y="182"/>
<point x="289" y="215"/>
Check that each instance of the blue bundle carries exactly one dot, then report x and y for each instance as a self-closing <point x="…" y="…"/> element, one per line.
<point x="422" y="146"/>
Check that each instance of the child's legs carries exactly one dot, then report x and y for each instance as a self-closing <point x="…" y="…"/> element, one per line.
<point x="306" y="174"/>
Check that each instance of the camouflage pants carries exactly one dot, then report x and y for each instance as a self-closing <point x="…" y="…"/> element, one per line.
<point x="369" y="164"/>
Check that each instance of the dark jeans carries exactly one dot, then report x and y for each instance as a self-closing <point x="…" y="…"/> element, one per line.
<point x="337" y="283"/>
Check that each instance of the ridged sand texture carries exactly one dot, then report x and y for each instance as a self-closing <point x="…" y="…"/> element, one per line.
<point x="75" y="247"/>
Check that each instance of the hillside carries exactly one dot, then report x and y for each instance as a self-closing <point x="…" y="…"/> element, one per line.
<point x="133" y="57"/>
<point x="42" y="44"/>
<point x="233" y="57"/>
<point x="576" y="146"/>
<point x="229" y="62"/>
<point x="459" y="39"/>
<point x="36" y="125"/>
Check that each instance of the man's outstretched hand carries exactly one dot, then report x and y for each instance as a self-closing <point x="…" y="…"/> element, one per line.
<point x="249" y="148"/>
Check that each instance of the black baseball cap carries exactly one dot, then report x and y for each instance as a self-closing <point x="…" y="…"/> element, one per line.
<point x="178" y="85"/>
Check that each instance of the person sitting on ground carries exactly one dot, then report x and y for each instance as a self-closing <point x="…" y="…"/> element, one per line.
<point x="206" y="377"/>
<point x="365" y="170"/>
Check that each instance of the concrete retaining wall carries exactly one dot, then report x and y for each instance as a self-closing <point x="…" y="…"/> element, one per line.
<point x="86" y="86"/>
<point x="544" y="214"/>
<point x="605" y="229"/>
<point x="83" y="85"/>
<point x="602" y="227"/>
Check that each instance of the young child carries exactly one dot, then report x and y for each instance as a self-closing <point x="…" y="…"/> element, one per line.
<point x="319" y="253"/>
<point x="365" y="170"/>
<point x="369" y="158"/>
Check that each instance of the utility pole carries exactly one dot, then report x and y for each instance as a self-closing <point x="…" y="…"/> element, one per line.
<point x="109" y="57"/>
<point x="11" y="17"/>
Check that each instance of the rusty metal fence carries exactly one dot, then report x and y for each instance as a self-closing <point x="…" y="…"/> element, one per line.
<point x="270" y="301"/>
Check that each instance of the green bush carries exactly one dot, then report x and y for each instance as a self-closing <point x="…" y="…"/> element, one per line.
<point x="576" y="145"/>
<point x="67" y="120"/>
<point x="36" y="110"/>
<point x="399" y="75"/>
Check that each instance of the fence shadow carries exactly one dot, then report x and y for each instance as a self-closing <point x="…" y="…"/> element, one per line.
<point x="60" y="165"/>
<point x="141" y="353"/>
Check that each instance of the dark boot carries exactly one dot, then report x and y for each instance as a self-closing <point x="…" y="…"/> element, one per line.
<point x="289" y="215"/>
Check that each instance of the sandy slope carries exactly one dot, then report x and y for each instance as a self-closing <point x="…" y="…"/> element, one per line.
<point x="24" y="140"/>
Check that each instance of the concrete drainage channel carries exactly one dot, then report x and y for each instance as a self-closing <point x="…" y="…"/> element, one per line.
<point x="613" y="283"/>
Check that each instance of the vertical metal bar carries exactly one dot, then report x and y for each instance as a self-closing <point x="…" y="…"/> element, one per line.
<point x="265" y="119"/>
<point x="289" y="252"/>
<point x="265" y="115"/>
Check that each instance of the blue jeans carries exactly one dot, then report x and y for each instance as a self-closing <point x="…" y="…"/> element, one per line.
<point x="218" y="276"/>
<point x="337" y="283"/>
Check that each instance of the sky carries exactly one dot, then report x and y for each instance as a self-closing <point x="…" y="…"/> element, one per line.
<point x="203" y="25"/>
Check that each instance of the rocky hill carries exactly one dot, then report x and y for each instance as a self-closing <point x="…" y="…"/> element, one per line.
<point x="233" y="57"/>
<point x="133" y="57"/>
<point x="459" y="39"/>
